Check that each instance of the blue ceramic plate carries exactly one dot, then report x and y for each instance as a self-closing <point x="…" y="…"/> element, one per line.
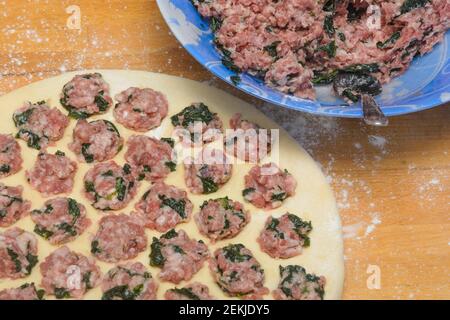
<point x="423" y="86"/>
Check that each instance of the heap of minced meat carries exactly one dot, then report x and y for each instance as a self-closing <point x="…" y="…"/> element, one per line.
<point x="293" y="44"/>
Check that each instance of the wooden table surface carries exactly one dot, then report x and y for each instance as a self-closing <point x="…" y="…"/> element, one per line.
<point x="392" y="184"/>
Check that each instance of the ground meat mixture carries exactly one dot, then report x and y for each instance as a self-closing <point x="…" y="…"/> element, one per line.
<point x="237" y="272"/>
<point x="52" y="174"/>
<point x="163" y="207"/>
<point x="153" y="159"/>
<point x="61" y="220"/>
<point x="208" y="172"/>
<point x="18" y="253"/>
<point x="119" y="237"/>
<point x="10" y="157"/>
<point x="26" y="291"/>
<point x="285" y="237"/>
<point x="86" y="95"/>
<point x="179" y="257"/>
<point x="96" y="141"/>
<point x="12" y="206"/>
<point x="197" y="124"/>
<point x="266" y="186"/>
<point x="296" y="284"/>
<point x="247" y="141"/>
<point x="68" y="274"/>
<point x="293" y="44"/>
<point x="194" y="291"/>
<point x="38" y="125"/>
<point x="131" y="281"/>
<point x="109" y="186"/>
<point x="221" y="218"/>
<point x="141" y="109"/>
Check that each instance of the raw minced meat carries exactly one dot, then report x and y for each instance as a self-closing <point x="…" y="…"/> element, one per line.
<point x="26" y="291"/>
<point x="197" y="124"/>
<point x="86" y="95"/>
<point x="68" y="274"/>
<point x="140" y="109"/>
<point x="237" y="272"/>
<point x="296" y="284"/>
<point x="131" y="281"/>
<point x="285" y="237"/>
<point x="95" y="141"/>
<point x="109" y="186"/>
<point x="18" y="253"/>
<point x="178" y="256"/>
<point x="247" y="141"/>
<point x="52" y="174"/>
<point x="221" y="218"/>
<point x="39" y="125"/>
<point x="293" y="44"/>
<point x="209" y="171"/>
<point x="267" y="186"/>
<point x="119" y="237"/>
<point x="153" y="159"/>
<point x="193" y="291"/>
<point x="163" y="207"/>
<point x="61" y="220"/>
<point x="10" y="157"/>
<point x="12" y="206"/>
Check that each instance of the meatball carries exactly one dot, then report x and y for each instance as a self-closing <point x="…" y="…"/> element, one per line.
<point x="68" y="274"/>
<point x="267" y="186"/>
<point x="285" y="237"/>
<point x="131" y="281"/>
<point x="109" y="186"/>
<point x="12" y="206"/>
<point x="221" y="218"/>
<point x="119" y="237"/>
<point x="18" y="253"/>
<point x="208" y="172"/>
<point x="194" y="291"/>
<point x="52" y="174"/>
<point x="248" y="141"/>
<point x="26" y="291"/>
<point x="163" y="207"/>
<point x="179" y="256"/>
<point x="196" y="124"/>
<point x="296" y="284"/>
<point x="61" y="220"/>
<point x="152" y="159"/>
<point x="38" y="125"/>
<point x="95" y="141"/>
<point x="237" y="272"/>
<point x="86" y="95"/>
<point x="10" y="157"/>
<point x="141" y="109"/>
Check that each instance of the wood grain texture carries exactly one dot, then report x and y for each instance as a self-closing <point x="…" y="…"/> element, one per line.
<point x="392" y="184"/>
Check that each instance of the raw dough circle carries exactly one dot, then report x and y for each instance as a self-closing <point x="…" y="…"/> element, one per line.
<point x="313" y="201"/>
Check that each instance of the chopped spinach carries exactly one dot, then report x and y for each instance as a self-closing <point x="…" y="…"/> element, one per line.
<point x="389" y="42"/>
<point x="328" y="25"/>
<point x="43" y="232"/>
<point x="5" y="168"/>
<point x="215" y="24"/>
<point x="122" y="292"/>
<point x="179" y="206"/>
<point x="209" y="186"/>
<point x="279" y="196"/>
<point x="22" y="118"/>
<point x="33" y="140"/>
<point x="74" y="209"/>
<point x="169" y="141"/>
<point x="61" y="293"/>
<point x="329" y="49"/>
<point x="171" y="165"/>
<point x="247" y="191"/>
<point x="409" y="5"/>
<point x="95" y="249"/>
<point x="194" y="113"/>
<point x="156" y="257"/>
<point x="232" y="252"/>
<point x="15" y="258"/>
<point x="88" y="157"/>
<point x="59" y="153"/>
<point x="271" y="49"/>
<point x="32" y="261"/>
<point x="101" y="102"/>
<point x="236" y="80"/>
<point x="324" y="78"/>
<point x="121" y="188"/>
<point x="186" y="292"/>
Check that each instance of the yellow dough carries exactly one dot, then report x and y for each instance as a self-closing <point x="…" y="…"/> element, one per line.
<point x="313" y="201"/>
